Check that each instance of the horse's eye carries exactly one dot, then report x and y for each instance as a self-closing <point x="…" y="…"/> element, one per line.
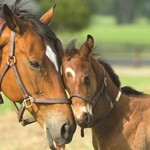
<point x="87" y="79"/>
<point x="35" y="65"/>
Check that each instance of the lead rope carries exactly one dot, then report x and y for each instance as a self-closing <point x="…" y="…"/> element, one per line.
<point x="82" y="132"/>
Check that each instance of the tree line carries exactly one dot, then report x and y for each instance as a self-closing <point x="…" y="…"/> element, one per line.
<point x="74" y="15"/>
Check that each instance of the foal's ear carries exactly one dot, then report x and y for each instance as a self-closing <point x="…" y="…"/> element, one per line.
<point x="48" y="16"/>
<point x="13" y="22"/>
<point x="90" y="42"/>
<point x="88" y="46"/>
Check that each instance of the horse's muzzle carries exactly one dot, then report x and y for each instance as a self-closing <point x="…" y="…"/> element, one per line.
<point x="59" y="135"/>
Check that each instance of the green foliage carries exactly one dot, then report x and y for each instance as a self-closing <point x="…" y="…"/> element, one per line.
<point x="100" y="6"/>
<point x="69" y="15"/>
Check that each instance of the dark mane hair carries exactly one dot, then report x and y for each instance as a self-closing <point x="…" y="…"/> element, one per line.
<point x="70" y="50"/>
<point x="43" y="30"/>
<point x="114" y="77"/>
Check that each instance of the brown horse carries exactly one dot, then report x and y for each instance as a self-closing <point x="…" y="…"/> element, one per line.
<point x="29" y="72"/>
<point x="118" y="116"/>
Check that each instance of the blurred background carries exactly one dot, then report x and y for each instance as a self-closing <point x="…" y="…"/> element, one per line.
<point x="121" y="29"/>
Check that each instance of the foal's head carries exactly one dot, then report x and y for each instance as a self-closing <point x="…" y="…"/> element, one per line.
<point x="36" y="55"/>
<point x="80" y="78"/>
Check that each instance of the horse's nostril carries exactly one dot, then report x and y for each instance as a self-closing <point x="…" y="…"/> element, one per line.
<point x="86" y="118"/>
<point x="65" y="131"/>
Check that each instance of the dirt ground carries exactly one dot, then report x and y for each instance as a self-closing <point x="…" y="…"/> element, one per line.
<point x="13" y="136"/>
<point x="132" y="71"/>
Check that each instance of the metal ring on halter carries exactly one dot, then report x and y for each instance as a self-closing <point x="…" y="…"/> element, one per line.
<point x="13" y="58"/>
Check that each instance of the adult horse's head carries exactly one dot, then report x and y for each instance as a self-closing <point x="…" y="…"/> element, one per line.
<point x="79" y="75"/>
<point x="29" y="67"/>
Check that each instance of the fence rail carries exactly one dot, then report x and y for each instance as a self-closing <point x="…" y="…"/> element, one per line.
<point x="127" y="54"/>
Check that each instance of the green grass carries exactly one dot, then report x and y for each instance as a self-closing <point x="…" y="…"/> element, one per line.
<point x="139" y="83"/>
<point x="6" y="106"/>
<point x="105" y="30"/>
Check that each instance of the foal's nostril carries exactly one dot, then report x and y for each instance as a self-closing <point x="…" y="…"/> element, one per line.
<point x="65" y="131"/>
<point x="86" y="118"/>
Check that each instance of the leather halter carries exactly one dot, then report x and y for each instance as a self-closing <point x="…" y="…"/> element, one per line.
<point x="28" y="100"/>
<point x="95" y="100"/>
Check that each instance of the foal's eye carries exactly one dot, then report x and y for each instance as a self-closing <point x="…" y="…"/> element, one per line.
<point x="87" y="79"/>
<point x="35" y="65"/>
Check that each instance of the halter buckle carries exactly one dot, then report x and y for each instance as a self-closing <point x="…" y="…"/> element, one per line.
<point x="26" y="100"/>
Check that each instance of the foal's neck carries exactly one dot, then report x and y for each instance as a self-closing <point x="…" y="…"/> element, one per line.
<point x="108" y="122"/>
<point x="110" y="90"/>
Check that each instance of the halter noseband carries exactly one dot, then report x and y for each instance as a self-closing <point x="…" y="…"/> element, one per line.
<point x="28" y="100"/>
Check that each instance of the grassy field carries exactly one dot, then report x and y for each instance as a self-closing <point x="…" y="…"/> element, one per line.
<point x="115" y="41"/>
<point x="136" y="77"/>
<point x="105" y="30"/>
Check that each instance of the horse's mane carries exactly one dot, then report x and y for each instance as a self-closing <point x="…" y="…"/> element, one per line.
<point x="115" y="78"/>
<point x="43" y="30"/>
<point x="70" y="50"/>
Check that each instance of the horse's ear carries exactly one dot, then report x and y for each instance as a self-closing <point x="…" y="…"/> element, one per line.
<point x="90" y="42"/>
<point x="47" y="17"/>
<point x="13" y="22"/>
<point x="87" y="47"/>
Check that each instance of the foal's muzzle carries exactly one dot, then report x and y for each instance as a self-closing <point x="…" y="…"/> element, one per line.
<point x="85" y="120"/>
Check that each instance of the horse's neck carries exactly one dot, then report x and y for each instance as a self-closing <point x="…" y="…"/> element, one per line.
<point x="110" y="90"/>
<point x="104" y="126"/>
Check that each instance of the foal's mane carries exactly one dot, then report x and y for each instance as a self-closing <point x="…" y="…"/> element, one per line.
<point x="43" y="30"/>
<point x="70" y="51"/>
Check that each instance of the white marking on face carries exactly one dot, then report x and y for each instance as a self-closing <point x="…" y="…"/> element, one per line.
<point x="70" y="71"/>
<point x="86" y="109"/>
<point x="52" y="56"/>
<point x="89" y="109"/>
<point x="79" y="112"/>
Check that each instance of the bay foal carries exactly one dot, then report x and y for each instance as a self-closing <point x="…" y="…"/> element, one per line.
<point x="119" y="117"/>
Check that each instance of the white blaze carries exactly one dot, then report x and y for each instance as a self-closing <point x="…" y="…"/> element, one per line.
<point x="70" y="71"/>
<point x="52" y="56"/>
